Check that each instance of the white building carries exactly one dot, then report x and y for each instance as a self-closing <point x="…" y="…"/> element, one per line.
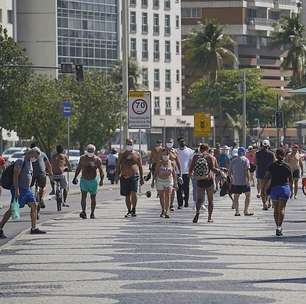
<point x="155" y="43"/>
<point x="7" y="16"/>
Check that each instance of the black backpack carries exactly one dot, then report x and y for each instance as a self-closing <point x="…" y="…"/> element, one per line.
<point x="7" y="181"/>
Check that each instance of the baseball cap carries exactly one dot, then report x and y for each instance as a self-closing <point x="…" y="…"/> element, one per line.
<point x="36" y="149"/>
<point x="250" y="148"/>
<point x="241" y="151"/>
<point x="266" y="143"/>
<point x="91" y="148"/>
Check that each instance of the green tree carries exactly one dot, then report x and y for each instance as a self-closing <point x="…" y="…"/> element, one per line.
<point x="208" y="49"/>
<point x="42" y="114"/>
<point x="12" y="79"/>
<point x="96" y="108"/>
<point x="290" y="36"/>
<point x="224" y="96"/>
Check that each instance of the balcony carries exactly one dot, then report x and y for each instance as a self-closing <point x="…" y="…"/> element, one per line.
<point x="263" y="24"/>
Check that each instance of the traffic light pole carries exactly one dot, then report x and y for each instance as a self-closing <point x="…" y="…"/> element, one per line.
<point x="277" y="126"/>
<point x="125" y="68"/>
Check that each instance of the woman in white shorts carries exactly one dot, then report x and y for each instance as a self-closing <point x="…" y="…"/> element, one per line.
<point x="165" y="181"/>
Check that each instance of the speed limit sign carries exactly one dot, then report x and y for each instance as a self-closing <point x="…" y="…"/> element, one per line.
<point x="139" y="109"/>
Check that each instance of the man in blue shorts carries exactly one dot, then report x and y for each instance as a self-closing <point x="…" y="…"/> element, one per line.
<point x="21" y="189"/>
<point x="279" y="177"/>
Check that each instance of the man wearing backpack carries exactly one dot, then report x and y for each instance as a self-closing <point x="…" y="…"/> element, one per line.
<point x="20" y="181"/>
<point x="202" y="168"/>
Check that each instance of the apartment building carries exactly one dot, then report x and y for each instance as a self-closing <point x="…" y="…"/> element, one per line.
<point x="155" y="44"/>
<point x="7" y="16"/>
<point x="250" y="23"/>
<point x="69" y="31"/>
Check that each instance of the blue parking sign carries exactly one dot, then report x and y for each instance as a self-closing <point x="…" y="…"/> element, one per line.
<point x="67" y="108"/>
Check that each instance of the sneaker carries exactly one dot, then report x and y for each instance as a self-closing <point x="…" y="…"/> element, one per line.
<point x="196" y="218"/>
<point x="52" y="192"/>
<point x="172" y="208"/>
<point x="42" y="204"/>
<point x="237" y="214"/>
<point x="2" y="235"/>
<point x="162" y="214"/>
<point x="279" y="232"/>
<point x="92" y="216"/>
<point x="37" y="231"/>
<point x="179" y="207"/>
<point x="133" y="213"/>
<point x="83" y="215"/>
<point x="66" y="205"/>
<point x="129" y="213"/>
<point x="186" y="205"/>
<point x="167" y="215"/>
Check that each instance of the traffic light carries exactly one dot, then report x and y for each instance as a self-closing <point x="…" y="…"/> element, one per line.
<point x="79" y="72"/>
<point x="279" y="119"/>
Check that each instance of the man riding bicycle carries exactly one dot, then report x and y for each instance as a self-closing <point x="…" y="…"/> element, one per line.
<point x="60" y="164"/>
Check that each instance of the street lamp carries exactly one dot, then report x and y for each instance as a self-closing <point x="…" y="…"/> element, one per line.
<point x="164" y="130"/>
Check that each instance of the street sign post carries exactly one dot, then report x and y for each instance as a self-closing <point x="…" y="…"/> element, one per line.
<point x="67" y="112"/>
<point x="139" y="110"/>
<point x="202" y="124"/>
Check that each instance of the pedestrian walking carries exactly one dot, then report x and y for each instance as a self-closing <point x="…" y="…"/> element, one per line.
<point x="154" y="159"/>
<point x="60" y="164"/>
<point x="240" y="176"/>
<point x="166" y="180"/>
<point x="41" y="168"/>
<point x="184" y="155"/>
<point x="277" y="184"/>
<point x="175" y="159"/>
<point x="130" y="173"/>
<point x="89" y="183"/>
<point x="202" y="169"/>
<point x="251" y="156"/>
<point x="264" y="158"/>
<point x="2" y="167"/>
<point x="295" y="162"/>
<point x="21" y="190"/>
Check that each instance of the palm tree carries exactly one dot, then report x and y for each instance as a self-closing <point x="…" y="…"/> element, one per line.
<point x="208" y="49"/>
<point x="290" y="37"/>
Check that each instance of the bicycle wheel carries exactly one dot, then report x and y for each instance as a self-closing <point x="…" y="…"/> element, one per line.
<point x="58" y="200"/>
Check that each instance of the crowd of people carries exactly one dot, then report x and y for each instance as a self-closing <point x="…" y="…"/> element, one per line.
<point x="172" y="172"/>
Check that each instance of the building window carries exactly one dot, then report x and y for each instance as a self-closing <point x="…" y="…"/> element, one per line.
<point x="133" y="26"/>
<point x="168" y="79"/>
<point x="188" y="12"/>
<point x="156" y="24"/>
<point x="178" y="74"/>
<point x="177" y="22"/>
<point x="10" y="17"/>
<point x="144" y="23"/>
<point x="145" y="77"/>
<point x="133" y="2"/>
<point x="167" y="25"/>
<point x="156" y="106"/>
<point x="156" y="50"/>
<point x="156" y="4"/>
<point x="177" y="47"/>
<point x="133" y="50"/>
<point x="178" y="103"/>
<point x="145" y="49"/>
<point x="156" y="79"/>
<point x="168" y="105"/>
<point x="167" y="51"/>
<point x="167" y="4"/>
<point x="144" y="3"/>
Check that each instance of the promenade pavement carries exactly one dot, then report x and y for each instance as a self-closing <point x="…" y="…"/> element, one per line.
<point x="151" y="260"/>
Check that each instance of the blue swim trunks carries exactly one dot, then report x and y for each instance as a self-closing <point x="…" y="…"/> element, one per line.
<point x="90" y="186"/>
<point x="26" y="197"/>
<point x="282" y="192"/>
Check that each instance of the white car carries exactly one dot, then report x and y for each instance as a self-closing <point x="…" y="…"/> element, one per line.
<point x="15" y="156"/>
<point x="74" y="158"/>
<point x="10" y="151"/>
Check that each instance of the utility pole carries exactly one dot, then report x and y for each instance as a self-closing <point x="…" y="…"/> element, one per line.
<point x="125" y="68"/>
<point x="277" y="124"/>
<point x="244" y="118"/>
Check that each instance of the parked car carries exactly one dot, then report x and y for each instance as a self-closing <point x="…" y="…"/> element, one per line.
<point x="15" y="156"/>
<point x="10" y="151"/>
<point x="74" y="158"/>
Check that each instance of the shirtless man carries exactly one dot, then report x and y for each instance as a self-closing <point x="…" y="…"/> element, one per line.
<point x="89" y="164"/>
<point x="155" y="158"/>
<point x="60" y="164"/>
<point x="173" y="157"/>
<point x="130" y="172"/>
<point x="295" y="162"/>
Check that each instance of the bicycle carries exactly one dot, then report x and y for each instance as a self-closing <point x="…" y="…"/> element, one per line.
<point x="58" y="191"/>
